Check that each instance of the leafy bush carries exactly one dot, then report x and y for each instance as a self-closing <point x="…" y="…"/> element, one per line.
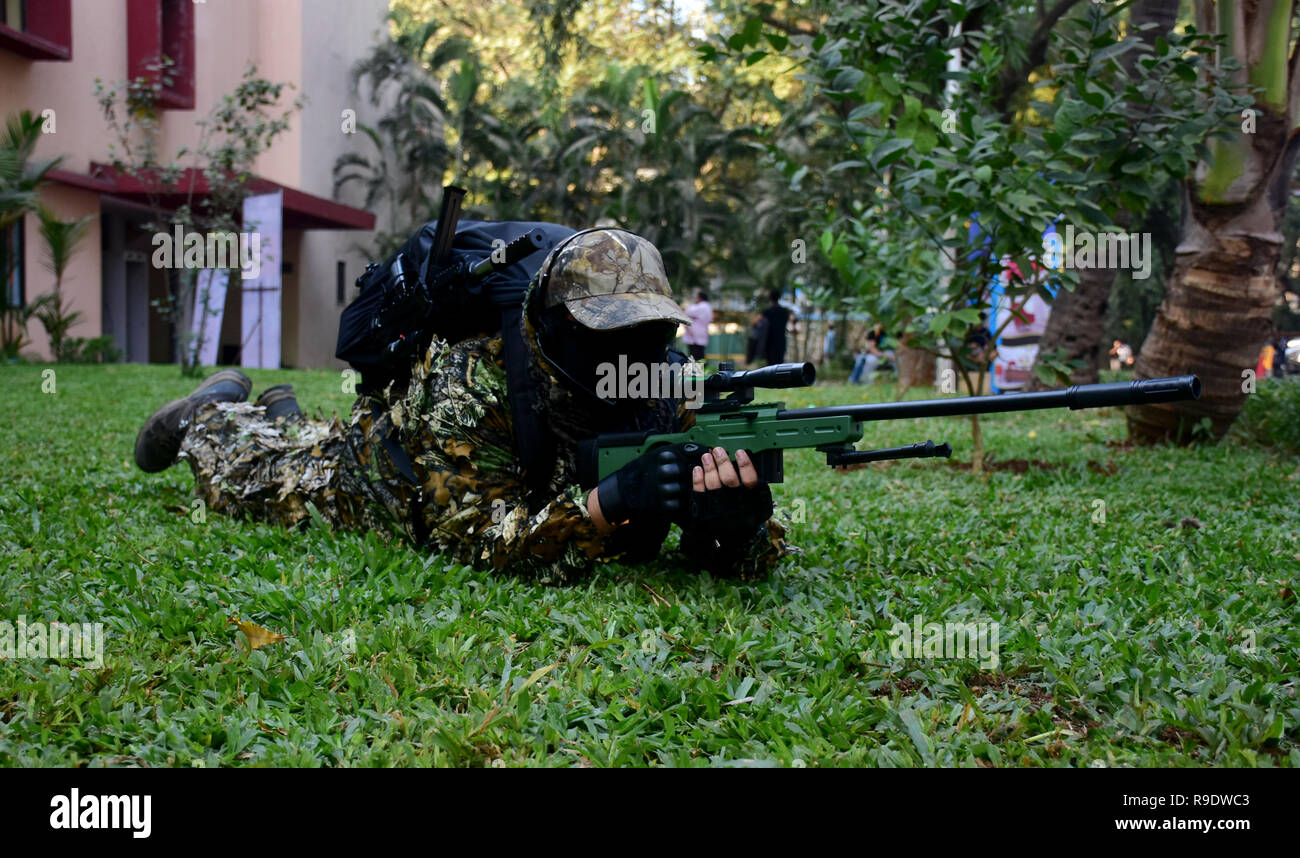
<point x="1272" y="414"/>
<point x="92" y="350"/>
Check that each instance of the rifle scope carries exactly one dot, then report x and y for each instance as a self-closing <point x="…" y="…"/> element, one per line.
<point x="778" y="375"/>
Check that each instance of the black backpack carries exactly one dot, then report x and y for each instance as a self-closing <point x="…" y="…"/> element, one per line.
<point x="409" y="298"/>
<point x="453" y="279"/>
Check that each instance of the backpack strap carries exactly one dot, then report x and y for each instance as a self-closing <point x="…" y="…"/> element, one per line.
<point x="402" y="461"/>
<point x="533" y="441"/>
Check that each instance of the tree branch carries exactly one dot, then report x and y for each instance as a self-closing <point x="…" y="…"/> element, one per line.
<point x="799" y="28"/>
<point x="1013" y="77"/>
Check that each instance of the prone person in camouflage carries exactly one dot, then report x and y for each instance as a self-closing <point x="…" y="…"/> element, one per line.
<point x="433" y="459"/>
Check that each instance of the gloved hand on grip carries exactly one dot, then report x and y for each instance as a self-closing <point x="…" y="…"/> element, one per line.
<point x="727" y="501"/>
<point x="653" y="486"/>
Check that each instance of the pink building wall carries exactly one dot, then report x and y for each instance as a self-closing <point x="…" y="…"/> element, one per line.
<point x="229" y="35"/>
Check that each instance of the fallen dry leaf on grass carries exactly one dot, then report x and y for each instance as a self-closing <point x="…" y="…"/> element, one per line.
<point x="257" y="636"/>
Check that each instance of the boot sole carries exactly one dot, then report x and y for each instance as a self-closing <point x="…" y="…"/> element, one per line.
<point x="156" y="448"/>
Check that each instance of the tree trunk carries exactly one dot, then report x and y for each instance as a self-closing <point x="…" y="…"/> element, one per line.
<point x="1216" y="315"/>
<point x="915" y="368"/>
<point x="977" y="446"/>
<point x="1079" y="316"/>
<point x="1218" y="305"/>
<point x="183" y="313"/>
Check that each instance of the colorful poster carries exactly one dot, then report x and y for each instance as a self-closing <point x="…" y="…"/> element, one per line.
<point x="1021" y="323"/>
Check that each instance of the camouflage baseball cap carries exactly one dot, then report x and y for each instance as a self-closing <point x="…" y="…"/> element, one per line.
<point x="611" y="279"/>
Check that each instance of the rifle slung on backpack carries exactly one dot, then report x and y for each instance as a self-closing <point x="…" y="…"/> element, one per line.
<point x="402" y="305"/>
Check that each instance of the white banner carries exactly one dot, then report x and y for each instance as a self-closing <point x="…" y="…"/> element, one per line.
<point x="209" y="309"/>
<point x="260" y="336"/>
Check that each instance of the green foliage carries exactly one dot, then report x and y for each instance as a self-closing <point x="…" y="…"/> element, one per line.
<point x="20" y="179"/>
<point x="922" y="168"/>
<point x="1054" y="370"/>
<point x="20" y="175"/>
<point x="1271" y="416"/>
<point x="918" y="161"/>
<point x="90" y="350"/>
<point x="621" y="143"/>
<point x="1123" y="640"/>
<point x="1133" y="302"/>
<point x="1288" y="266"/>
<point x="62" y="239"/>
<point x="411" y="155"/>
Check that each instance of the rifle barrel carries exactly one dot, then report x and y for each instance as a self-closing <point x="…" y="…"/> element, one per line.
<point x="448" y="217"/>
<point x="524" y="244"/>
<point x="1139" y="392"/>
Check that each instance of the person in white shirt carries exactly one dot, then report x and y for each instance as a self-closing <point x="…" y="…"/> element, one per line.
<point x="697" y="334"/>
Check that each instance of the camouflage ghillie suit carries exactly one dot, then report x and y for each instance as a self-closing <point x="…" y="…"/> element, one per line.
<point x="468" y="498"/>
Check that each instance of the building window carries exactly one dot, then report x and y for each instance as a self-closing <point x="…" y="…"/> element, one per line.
<point x="11" y="14"/>
<point x="161" y="33"/>
<point x="342" y="282"/>
<point x="11" y="262"/>
<point x="38" y="29"/>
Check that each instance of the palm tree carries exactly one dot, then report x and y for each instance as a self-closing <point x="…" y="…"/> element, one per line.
<point x="20" y="177"/>
<point x="1218" y="302"/>
<point x="674" y="190"/>
<point x="662" y="165"/>
<point x="62" y="239"/>
<point x="412" y="156"/>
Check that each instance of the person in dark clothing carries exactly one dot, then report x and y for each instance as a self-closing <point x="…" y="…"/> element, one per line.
<point x="978" y="339"/>
<point x="778" y="318"/>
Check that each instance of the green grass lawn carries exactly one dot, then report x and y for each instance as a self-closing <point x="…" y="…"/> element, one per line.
<point x="1144" y="600"/>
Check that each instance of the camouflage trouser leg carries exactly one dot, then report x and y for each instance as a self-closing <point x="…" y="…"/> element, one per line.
<point x="268" y="470"/>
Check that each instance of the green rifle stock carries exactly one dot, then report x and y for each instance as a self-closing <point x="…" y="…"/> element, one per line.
<point x="766" y="429"/>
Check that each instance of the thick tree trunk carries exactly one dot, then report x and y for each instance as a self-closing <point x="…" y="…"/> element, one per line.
<point x="1217" y="312"/>
<point x="1218" y="304"/>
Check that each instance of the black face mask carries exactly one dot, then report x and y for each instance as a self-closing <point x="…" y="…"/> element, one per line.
<point x="579" y="351"/>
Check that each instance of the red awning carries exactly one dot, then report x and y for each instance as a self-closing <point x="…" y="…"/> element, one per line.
<point x="301" y="209"/>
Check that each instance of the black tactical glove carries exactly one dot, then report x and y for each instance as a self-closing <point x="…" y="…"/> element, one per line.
<point x="638" y="541"/>
<point x="652" y="486"/>
<point x="730" y="516"/>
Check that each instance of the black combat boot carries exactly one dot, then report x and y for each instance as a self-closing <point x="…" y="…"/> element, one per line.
<point x="279" y="401"/>
<point x="159" y="441"/>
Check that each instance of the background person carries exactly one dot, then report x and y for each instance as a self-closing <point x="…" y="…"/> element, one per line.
<point x="1264" y="367"/>
<point x="1121" y="355"/>
<point x="778" y="319"/>
<point x="869" y="359"/>
<point x="755" y="348"/>
<point x="828" y="343"/>
<point x="697" y="333"/>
